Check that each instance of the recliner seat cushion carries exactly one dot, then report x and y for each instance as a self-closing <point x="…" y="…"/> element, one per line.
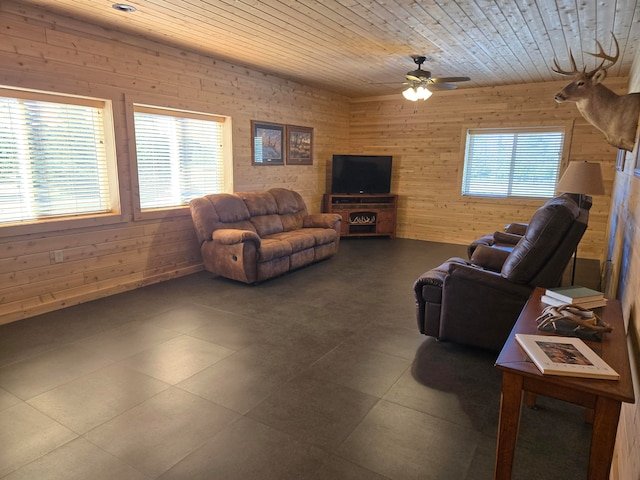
<point x="272" y="248"/>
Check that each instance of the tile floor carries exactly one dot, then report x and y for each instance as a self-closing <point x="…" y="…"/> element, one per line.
<point x="318" y="374"/>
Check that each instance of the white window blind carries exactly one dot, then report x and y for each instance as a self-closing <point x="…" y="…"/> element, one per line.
<point x="52" y="158"/>
<point x="512" y="163"/>
<point x="179" y="156"/>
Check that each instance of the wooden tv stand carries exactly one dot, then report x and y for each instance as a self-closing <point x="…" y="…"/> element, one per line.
<point x="364" y="214"/>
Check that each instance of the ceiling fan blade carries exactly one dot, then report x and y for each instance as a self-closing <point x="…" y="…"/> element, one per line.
<point x="413" y="78"/>
<point x="450" y="79"/>
<point x="442" y="86"/>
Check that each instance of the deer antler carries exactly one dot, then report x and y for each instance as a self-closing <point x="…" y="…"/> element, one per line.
<point x="601" y="54"/>
<point x="604" y="56"/>
<point x="566" y="72"/>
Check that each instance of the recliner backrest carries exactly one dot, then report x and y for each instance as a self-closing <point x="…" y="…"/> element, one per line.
<point x="553" y="233"/>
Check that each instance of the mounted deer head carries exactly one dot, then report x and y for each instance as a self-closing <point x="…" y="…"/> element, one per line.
<point x="614" y="115"/>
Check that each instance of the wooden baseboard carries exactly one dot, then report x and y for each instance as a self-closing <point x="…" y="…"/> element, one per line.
<point x="20" y="311"/>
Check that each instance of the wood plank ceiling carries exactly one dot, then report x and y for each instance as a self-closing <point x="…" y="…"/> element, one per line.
<point x="354" y="47"/>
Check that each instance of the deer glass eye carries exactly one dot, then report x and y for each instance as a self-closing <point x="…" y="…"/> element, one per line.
<point x="580" y="83"/>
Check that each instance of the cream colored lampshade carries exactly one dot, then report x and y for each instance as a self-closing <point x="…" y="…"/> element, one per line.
<point x="584" y="178"/>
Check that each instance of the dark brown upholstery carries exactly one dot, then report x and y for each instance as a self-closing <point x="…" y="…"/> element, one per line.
<point x="476" y="302"/>
<point x="506" y="239"/>
<point x="253" y="236"/>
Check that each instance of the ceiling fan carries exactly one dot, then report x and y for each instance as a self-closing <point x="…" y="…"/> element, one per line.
<point x="419" y="80"/>
<point x="420" y="76"/>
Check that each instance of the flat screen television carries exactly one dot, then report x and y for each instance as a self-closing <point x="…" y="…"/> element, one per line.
<point x="354" y="174"/>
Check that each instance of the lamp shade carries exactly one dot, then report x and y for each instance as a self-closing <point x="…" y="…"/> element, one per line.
<point x="416" y="93"/>
<point x="584" y="178"/>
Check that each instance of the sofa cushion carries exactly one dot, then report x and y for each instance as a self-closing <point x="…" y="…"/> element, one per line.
<point x="273" y="248"/>
<point x="259" y="203"/>
<point x="267" y="225"/>
<point x="229" y="208"/>
<point x="264" y="212"/>
<point x="291" y="208"/>
<point x="321" y="235"/>
<point x="297" y="239"/>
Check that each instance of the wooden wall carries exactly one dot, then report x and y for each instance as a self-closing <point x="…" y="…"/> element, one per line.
<point x="42" y="51"/>
<point x="623" y="281"/>
<point x="426" y="140"/>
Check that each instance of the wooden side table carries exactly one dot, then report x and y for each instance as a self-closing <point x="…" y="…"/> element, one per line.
<point x="601" y="397"/>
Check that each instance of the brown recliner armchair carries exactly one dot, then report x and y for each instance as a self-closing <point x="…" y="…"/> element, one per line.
<point x="477" y="302"/>
<point x="507" y="238"/>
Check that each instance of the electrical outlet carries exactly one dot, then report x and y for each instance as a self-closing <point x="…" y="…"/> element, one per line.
<point x="58" y="256"/>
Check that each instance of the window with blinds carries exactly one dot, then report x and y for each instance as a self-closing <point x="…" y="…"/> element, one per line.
<point x="513" y="162"/>
<point x="179" y="156"/>
<point x="53" y="161"/>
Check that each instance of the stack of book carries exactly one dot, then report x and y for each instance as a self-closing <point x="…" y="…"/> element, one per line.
<point x="575" y="295"/>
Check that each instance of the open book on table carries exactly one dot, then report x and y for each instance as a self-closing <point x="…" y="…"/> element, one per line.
<point x="568" y="356"/>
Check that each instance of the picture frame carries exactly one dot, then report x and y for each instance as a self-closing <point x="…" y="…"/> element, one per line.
<point x="267" y="143"/>
<point x="299" y="145"/>
<point x="636" y="167"/>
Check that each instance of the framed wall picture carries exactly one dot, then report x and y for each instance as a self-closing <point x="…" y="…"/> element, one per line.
<point x="299" y="145"/>
<point x="267" y="143"/>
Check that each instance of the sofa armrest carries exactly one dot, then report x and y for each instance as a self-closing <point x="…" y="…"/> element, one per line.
<point x="507" y="238"/>
<point x="231" y="236"/>
<point x="516" y="228"/>
<point x="489" y="258"/>
<point x="480" y="279"/>
<point x="322" y="220"/>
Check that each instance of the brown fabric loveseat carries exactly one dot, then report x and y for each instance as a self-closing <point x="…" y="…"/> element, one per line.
<point x="254" y="236"/>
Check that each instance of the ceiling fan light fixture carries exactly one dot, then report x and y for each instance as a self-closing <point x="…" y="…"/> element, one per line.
<point x="414" y="93"/>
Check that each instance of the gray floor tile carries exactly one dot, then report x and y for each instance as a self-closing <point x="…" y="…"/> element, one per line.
<point x="26" y="434"/>
<point x="367" y="371"/>
<point x="246" y="450"/>
<point x="36" y="375"/>
<point x="244" y="379"/>
<point x="93" y="399"/>
<point x="336" y="468"/>
<point x="321" y="413"/>
<point x="7" y="399"/>
<point x="177" y="358"/>
<point x="231" y="330"/>
<point x="453" y="383"/>
<point x="404" y="444"/>
<point x="128" y="339"/>
<point x="398" y="341"/>
<point x="183" y="318"/>
<point x="155" y="435"/>
<point x="77" y="460"/>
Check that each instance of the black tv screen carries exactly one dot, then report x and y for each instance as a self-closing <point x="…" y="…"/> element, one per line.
<point x="361" y="174"/>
